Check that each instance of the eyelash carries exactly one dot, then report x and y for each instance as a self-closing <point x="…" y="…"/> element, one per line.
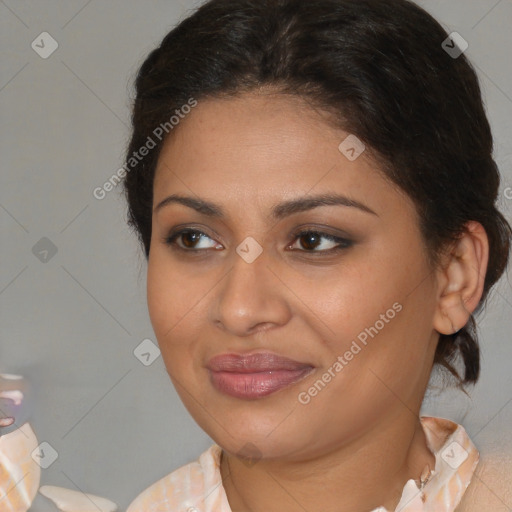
<point x="343" y="243"/>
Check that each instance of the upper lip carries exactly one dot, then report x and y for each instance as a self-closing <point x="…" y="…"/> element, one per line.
<point x="252" y="363"/>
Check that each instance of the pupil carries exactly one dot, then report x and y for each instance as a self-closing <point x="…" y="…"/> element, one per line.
<point x="190" y="237"/>
<point x="311" y="240"/>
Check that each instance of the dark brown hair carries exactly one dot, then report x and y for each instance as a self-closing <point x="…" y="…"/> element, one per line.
<point x="380" y="70"/>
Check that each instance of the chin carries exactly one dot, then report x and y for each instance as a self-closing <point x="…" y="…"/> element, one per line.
<point x="253" y="434"/>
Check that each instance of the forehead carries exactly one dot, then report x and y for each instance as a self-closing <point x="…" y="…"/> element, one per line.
<point x="272" y="127"/>
<point x="258" y="148"/>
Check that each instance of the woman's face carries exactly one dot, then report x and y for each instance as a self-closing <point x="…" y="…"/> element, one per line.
<point x="350" y="301"/>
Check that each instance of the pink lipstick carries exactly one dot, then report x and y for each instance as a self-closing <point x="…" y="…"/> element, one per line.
<point x="256" y="375"/>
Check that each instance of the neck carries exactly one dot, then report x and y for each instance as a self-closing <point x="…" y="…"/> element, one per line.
<point x="369" y="472"/>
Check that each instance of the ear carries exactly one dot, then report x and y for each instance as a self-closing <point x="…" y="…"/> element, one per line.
<point x="461" y="279"/>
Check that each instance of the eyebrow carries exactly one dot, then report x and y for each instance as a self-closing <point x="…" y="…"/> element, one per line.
<point x="279" y="211"/>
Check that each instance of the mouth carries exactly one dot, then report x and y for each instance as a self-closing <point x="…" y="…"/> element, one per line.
<point x="253" y="376"/>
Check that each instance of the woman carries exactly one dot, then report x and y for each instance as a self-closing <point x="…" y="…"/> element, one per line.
<point x="314" y="190"/>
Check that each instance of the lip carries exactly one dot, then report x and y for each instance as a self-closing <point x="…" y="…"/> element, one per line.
<point x="256" y="375"/>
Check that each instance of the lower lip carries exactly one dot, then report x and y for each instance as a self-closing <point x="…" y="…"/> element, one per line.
<point x="251" y="386"/>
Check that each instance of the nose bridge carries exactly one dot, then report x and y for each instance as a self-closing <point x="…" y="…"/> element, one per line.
<point x="248" y="276"/>
<point x="249" y="294"/>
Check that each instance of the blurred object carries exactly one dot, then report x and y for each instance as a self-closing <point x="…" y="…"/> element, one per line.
<point x="15" y="402"/>
<point x="6" y="422"/>
<point x="75" y="501"/>
<point x="19" y="472"/>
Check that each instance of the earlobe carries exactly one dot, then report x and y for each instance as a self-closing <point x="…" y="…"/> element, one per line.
<point x="461" y="280"/>
<point x="452" y="315"/>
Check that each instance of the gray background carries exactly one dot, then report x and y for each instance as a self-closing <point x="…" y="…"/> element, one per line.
<point x="71" y="324"/>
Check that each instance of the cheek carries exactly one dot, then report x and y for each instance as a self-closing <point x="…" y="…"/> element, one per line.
<point x="175" y="306"/>
<point x="376" y="305"/>
<point x="171" y="294"/>
<point x="351" y="299"/>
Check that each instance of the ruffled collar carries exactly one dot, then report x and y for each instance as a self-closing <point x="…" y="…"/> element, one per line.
<point x="456" y="460"/>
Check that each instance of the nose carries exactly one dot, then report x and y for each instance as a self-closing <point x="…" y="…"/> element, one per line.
<point x="250" y="298"/>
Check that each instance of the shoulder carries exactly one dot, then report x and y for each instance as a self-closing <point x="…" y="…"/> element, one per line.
<point x="186" y="486"/>
<point x="491" y="485"/>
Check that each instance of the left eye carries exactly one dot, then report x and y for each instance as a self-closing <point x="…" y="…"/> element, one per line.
<point x="311" y="241"/>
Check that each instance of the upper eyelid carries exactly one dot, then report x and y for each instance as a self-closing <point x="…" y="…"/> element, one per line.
<point x="295" y="233"/>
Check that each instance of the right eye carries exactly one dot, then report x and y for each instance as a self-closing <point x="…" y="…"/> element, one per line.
<point x="189" y="239"/>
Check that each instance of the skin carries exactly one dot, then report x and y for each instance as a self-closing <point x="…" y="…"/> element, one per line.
<point x="357" y="442"/>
